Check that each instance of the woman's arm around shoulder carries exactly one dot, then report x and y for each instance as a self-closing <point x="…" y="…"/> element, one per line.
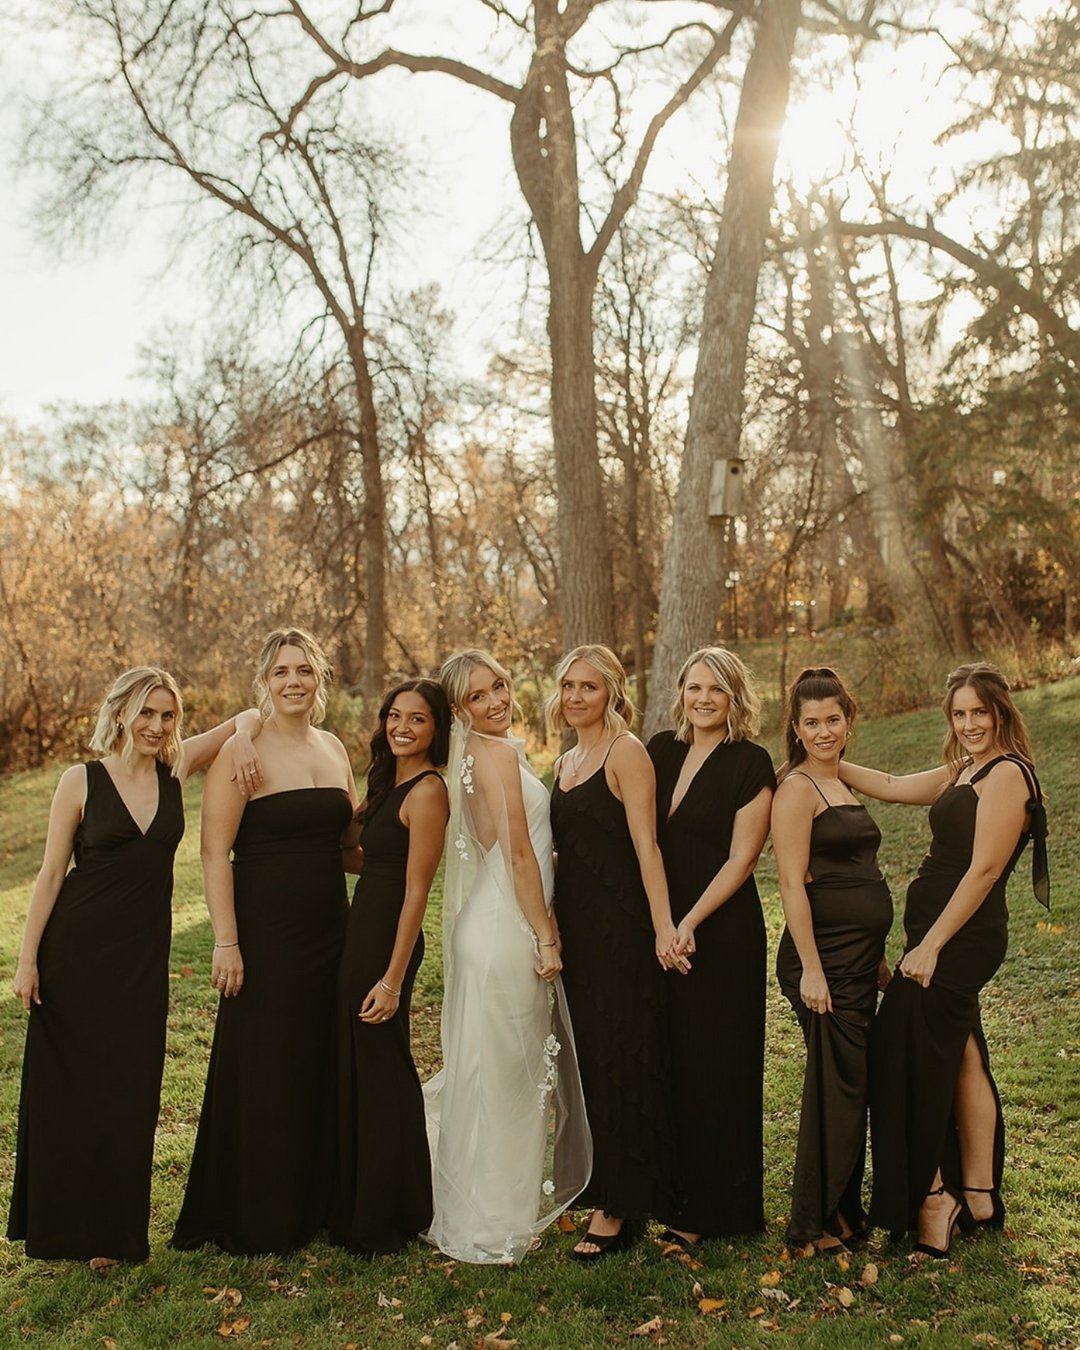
<point x="910" y="789"/>
<point x="236" y="735"/>
<point x="65" y="814"/>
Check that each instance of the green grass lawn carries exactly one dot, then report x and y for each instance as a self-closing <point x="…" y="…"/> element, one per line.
<point x="1021" y="1288"/>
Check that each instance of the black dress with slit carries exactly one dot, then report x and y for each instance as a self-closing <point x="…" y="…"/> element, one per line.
<point x="615" y="991"/>
<point x="382" y="1196"/>
<point x="95" y="1046"/>
<point x="716" y="1014"/>
<point x="264" y="1160"/>
<point x="920" y="1034"/>
<point x="852" y="913"/>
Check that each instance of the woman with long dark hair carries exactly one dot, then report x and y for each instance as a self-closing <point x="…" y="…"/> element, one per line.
<point x="830" y="960"/>
<point x="382" y="1198"/>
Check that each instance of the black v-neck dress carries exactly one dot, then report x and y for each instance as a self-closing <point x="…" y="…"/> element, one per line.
<point x="95" y="1046"/>
<point x="716" y="1014"/>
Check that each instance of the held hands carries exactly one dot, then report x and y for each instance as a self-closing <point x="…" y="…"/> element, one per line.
<point x="26" y="986"/>
<point x="919" y="964"/>
<point x="381" y="1003"/>
<point x="227" y="969"/>
<point x="668" y="953"/>
<point x="247" y="769"/>
<point x="814" y="991"/>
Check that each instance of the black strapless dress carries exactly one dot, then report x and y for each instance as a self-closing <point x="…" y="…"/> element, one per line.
<point x="920" y="1034"/>
<point x="264" y="1159"/>
<point x="852" y="912"/>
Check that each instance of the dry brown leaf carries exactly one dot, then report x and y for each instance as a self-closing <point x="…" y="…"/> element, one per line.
<point x="505" y="1318"/>
<point x="843" y="1263"/>
<point x="869" y="1273"/>
<point x="225" y="1329"/>
<point x="474" y="1320"/>
<point x="688" y="1260"/>
<point x="566" y="1224"/>
<point x="649" y="1328"/>
<point x="241" y="1324"/>
<point x="697" y="1290"/>
<point x="108" y="1342"/>
<point x="784" y="1256"/>
<point x="426" y="1340"/>
<point x="896" y="1339"/>
<point x="495" y="1340"/>
<point x="759" y="1311"/>
<point x="708" y="1305"/>
<point x="770" y="1279"/>
<point x="843" y="1295"/>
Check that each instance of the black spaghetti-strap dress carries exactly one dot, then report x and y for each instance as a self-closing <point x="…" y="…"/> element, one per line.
<point x="716" y="1014"/>
<point x="95" y="1046"/>
<point x="852" y="913"/>
<point x="263" y="1167"/>
<point x="382" y="1196"/>
<point x="615" y="991"/>
<point x="920" y="1034"/>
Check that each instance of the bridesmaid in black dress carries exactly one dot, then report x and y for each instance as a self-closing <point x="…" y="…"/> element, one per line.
<point x="935" y="1117"/>
<point x="382" y="1196"/>
<point x="831" y="957"/>
<point x="264" y="1160"/>
<point x="713" y="791"/>
<point x="93" y="973"/>
<point x="614" y="917"/>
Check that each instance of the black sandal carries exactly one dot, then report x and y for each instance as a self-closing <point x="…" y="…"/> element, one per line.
<point x="606" y="1243"/>
<point x="669" y="1238"/>
<point x="996" y="1218"/>
<point x="942" y="1252"/>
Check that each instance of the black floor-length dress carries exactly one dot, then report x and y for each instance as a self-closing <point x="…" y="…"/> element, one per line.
<point x="264" y="1160"/>
<point x="615" y="991"/>
<point x="920" y="1034"/>
<point x="382" y="1196"/>
<point x="716" y="1014"/>
<point x="852" y="913"/>
<point x="95" y="1046"/>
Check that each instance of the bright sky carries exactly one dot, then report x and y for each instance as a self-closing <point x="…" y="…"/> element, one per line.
<point x="71" y="330"/>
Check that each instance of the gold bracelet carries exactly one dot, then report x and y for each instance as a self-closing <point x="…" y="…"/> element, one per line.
<point x="394" y="993"/>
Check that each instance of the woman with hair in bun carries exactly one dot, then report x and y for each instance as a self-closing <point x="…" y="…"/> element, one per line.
<point x="382" y="1197"/>
<point x="830" y="962"/>
<point x="263" y="1167"/>
<point x="506" y="1121"/>
<point x="93" y="974"/>
<point x="935" y="1117"/>
<point x="614" y="915"/>
<point x="714" y="787"/>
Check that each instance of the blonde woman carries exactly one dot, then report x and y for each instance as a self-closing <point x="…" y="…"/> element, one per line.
<point x="506" y="1121"/>
<point x="611" y="901"/>
<point x="93" y="974"/>
<point x="263" y="1167"/>
<point x="714" y="787"/>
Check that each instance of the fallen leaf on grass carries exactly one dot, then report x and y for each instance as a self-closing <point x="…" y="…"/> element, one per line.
<point x="649" y="1328"/>
<point x="385" y="1302"/>
<point x="770" y="1279"/>
<point x="17" y="1304"/>
<point x="494" y="1339"/>
<point x="108" y="1342"/>
<point x="708" y="1305"/>
<point x="473" y="1319"/>
<point x="688" y="1260"/>
<point x="506" y="1318"/>
<point x="777" y="1295"/>
<point x="759" y="1311"/>
<point x="869" y="1274"/>
<point x="697" y="1290"/>
<point x="842" y="1294"/>
<point x="233" y="1297"/>
<point x="566" y="1224"/>
<point x="843" y="1263"/>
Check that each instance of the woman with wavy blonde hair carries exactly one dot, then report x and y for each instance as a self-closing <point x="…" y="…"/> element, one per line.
<point x="714" y="787"/>
<point x="93" y="974"/>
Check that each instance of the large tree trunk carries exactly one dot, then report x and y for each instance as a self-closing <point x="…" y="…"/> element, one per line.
<point x="373" y="523"/>
<point x="692" y="588"/>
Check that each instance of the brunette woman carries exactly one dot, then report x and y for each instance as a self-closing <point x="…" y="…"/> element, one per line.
<point x="831" y="956"/>
<point x="264" y="1163"/>
<point x="382" y="1197"/>
<point x="935" y="1117"/>
<point x="94" y="975"/>
<point x="611" y="902"/>
<point x="713" y="791"/>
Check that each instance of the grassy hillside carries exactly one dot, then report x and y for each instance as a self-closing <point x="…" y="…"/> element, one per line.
<point x="1018" y="1289"/>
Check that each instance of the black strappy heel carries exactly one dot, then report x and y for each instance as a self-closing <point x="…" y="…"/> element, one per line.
<point x="942" y="1252"/>
<point x="996" y="1218"/>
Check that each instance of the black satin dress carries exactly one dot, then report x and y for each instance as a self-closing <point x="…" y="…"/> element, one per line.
<point x="382" y="1196"/>
<point x="852" y="913"/>
<point x="264" y="1161"/>
<point x="920" y="1034"/>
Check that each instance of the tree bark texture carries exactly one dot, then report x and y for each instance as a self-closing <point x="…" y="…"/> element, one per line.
<point x="692" y="587"/>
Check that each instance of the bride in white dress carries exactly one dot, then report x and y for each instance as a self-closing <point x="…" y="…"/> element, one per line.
<point x="510" y="1144"/>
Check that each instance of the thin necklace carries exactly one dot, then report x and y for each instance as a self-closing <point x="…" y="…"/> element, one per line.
<point x="575" y="766"/>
